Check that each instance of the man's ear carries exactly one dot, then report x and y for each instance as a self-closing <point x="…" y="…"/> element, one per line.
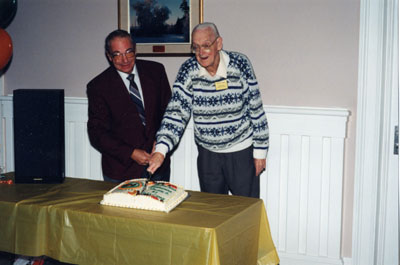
<point x="108" y="56"/>
<point x="219" y="43"/>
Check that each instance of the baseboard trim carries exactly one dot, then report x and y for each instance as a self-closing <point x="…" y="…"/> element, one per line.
<point x="347" y="261"/>
<point x="294" y="259"/>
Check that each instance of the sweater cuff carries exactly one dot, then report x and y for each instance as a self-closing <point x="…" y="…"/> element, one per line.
<point x="162" y="148"/>
<point x="260" y="153"/>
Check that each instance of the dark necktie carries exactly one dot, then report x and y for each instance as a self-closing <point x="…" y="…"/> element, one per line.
<point x="135" y="95"/>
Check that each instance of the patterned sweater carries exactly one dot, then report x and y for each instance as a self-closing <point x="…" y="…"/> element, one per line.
<point x="222" y="118"/>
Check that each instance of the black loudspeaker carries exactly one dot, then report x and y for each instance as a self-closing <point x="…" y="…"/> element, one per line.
<point x="39" y="142"/>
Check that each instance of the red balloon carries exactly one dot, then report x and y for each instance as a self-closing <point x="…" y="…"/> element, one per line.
<point x="5" y="48"/>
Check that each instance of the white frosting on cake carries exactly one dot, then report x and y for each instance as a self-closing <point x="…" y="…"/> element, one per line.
<point x="144" y="194"/>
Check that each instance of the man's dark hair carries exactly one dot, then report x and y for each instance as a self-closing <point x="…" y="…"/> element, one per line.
<point x="119" y="33"/>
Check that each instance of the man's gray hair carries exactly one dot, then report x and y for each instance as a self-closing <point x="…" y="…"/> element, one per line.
<point x="207" y="25"/>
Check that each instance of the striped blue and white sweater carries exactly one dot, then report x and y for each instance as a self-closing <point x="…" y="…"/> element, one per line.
<point x="222" y="119"/>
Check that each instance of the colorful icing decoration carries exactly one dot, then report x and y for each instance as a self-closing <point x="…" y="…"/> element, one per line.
<point x="144" y="194"/>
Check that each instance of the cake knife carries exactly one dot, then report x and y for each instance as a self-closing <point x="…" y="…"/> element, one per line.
<point x="149" y="175"/>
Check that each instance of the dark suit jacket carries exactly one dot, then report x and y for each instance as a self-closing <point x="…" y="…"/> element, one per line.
<point x="114" y="126"/>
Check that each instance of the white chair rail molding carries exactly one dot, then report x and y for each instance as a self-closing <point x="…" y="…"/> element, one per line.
<point x="301" y="188"/>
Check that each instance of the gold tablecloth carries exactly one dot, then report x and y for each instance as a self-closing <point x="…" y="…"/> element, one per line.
<point x="66" y="222"/>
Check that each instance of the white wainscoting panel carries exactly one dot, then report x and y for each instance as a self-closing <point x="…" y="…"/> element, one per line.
<point x="6" y="134"/>
<point x="81" y="159"/>
<point x="301" y="188"/>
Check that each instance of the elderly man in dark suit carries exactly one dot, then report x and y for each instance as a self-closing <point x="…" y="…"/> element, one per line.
<point x="126" y="105"/>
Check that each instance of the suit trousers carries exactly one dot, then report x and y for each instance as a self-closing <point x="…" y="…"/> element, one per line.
<point x="224" y="172"/>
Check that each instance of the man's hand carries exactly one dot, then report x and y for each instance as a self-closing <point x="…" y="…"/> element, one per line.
<point x="141" y="157"/>
<point x="260" y="165"/>
<point x="155" y="162"/>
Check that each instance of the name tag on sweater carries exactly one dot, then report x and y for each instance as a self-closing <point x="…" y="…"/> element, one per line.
<point x="221" y="85"/>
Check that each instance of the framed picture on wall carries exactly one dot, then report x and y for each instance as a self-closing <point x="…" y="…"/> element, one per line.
<point x="160" y="27"/>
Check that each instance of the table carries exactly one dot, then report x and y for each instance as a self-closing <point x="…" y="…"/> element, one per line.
<point x="66" y="222"/>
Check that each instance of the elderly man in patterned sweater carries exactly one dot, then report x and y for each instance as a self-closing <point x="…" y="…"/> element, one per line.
<point x="219" y="88"/>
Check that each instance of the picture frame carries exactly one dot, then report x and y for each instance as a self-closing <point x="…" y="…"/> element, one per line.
<point x="169" y="31"/>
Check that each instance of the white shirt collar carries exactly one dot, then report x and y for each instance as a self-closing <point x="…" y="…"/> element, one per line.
<point x="125" y="75"/>
<point x="137" y="81"/>
<point x="222" y="66"/>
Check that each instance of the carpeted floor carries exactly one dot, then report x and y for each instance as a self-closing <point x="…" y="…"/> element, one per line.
<point x="6" y="258"/>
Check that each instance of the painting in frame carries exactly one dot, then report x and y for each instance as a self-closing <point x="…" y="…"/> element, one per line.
<point x="160" y="27"/>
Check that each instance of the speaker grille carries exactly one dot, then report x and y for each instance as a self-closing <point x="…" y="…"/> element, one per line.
<point x="39" y="142"/>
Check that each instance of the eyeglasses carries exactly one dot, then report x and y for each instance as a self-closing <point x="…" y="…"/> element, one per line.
<point x="205" y="47"/>
<point x="129" y="54"/>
